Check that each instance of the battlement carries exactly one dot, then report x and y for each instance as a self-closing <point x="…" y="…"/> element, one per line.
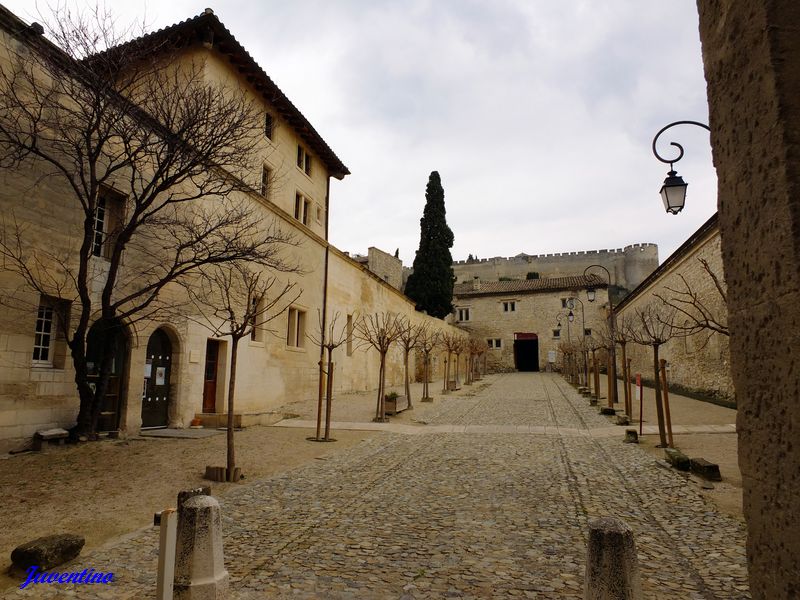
<point x="527" y="258"/>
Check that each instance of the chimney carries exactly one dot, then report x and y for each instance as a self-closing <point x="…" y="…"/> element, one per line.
<point x="476" y="283"/>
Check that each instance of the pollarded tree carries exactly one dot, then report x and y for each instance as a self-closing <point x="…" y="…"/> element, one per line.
<point x="236" y="302"/>
<point x="380" y="330"/>
<point x="431" y="283"/>
<point x="654" y="327"/>
<point x="428" y="340"/>
<point x="409" y="339"/>
<point x="149" y="157"/>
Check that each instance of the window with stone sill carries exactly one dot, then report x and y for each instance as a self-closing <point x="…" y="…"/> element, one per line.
<point x="108" y="215"/>
<point x="49" y="343"/>
<point x="463" y="314"/>
<point x="296" y="328"/>
<point x="303" y="160"/>
<point x="509" y="306"/>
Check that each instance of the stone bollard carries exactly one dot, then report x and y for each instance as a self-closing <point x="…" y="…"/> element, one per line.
<point x="631" y="437"/>
<point x="199" y="567"/>
<point x="612" y="567"/>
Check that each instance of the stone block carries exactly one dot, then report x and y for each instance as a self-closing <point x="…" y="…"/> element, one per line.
<point x="623" y="420"/>
<point x="631" y="436"/>
<point x="48" y="551"/>
<point x="705" y="469"/>
<point x="607" y="410"/>
<point x="677" y="459"/>
<point x="612" y="565"/>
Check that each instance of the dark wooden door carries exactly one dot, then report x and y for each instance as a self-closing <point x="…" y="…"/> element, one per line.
<point x="107" y="337"/>
<point x="155" y="398"/>
<point x="210" y="377"/>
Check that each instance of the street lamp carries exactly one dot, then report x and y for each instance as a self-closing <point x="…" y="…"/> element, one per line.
<point x="673" y="192"/>
<point x="584" y="351"/>
<point x="592" y="296"/>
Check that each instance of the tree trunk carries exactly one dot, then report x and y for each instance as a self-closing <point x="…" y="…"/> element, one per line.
<point x="425" y="375"/>
<point x="626" y="377"/>
<point x="320" y="392"/>
<point x="662" y="434"/>
<point x="231" y="463"/>
<point x="329" y="397"/>
<point x="407" y="382"/>
<point x="380" y="415"/>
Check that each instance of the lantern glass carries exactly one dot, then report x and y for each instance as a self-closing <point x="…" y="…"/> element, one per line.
<point x="571" y="317"/>
<point x="673" y="193"/>
<point x="591" y="294"/>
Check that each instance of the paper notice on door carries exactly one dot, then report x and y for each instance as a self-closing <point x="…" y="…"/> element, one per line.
<point x="161" y="375"/>
<point x="148" y="368"/>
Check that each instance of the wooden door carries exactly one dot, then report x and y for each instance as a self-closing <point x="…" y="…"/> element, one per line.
<point x="155" y="398"/>
<point x="210" y="377"/>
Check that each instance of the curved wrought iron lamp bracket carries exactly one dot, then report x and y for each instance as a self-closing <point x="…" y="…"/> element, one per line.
<point x="670" y="161"/>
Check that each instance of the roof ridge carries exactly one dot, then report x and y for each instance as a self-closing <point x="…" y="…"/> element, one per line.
<point x="277" y="97"/>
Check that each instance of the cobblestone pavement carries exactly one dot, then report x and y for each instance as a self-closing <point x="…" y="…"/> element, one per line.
<point x="462" y="515"/>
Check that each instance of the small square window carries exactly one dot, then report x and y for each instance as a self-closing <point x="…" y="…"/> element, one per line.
<point x="557" y="333"/>
<point x="564" y="303"/>
<point x="509" y="306"/>
<point x="587" y="332"/>
<point x="463" y="314"/>
<point x="498" y="343"/>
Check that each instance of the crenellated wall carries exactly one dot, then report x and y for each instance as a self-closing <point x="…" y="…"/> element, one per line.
<point x="628" y="266"/>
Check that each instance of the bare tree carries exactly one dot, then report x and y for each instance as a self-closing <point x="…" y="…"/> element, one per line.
<point x="623" y="334"/>
<point x="428" y="340"/>
<point x="236" y="302"/>
<point x="698" y="312"/>
<point x="451" y="343"/>
<point x="409" y="338"/>
<point x="380" y="330"/>
<point x="328" y="339"/>
<point x="149" y="154"/>
<point x="654" y="327"/>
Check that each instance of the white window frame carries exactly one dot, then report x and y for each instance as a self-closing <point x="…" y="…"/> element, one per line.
<point x="464" y="311"/>
<point x="509" y="306"/>
<point x="296" y="328"/>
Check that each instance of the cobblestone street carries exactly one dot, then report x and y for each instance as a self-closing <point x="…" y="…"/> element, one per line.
<point x="492" y="512"/>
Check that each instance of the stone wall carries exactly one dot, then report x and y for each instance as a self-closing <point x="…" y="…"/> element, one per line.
<point x="628" y="266"/>
<point x="699" y="363"/>
<point x="751" y="53"/>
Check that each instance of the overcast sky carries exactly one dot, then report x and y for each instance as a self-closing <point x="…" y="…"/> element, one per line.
<point x="538" y="114"/>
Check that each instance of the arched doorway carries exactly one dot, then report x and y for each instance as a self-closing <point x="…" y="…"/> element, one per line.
<point x="108" y="338"/>
<point x="156" y="388"/>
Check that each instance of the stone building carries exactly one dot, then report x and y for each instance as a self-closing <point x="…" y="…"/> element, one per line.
<point x="520" y="319"/>
<point x="167" y="371"/>
<point x="384" y="265"/>
<point x="698" y="363"/>
<point x="628" y="266"/>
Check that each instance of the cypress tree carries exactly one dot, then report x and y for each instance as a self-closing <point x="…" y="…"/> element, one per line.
<point x="431" y="283"/>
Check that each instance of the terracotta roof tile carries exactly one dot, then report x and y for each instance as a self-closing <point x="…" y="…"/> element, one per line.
<point x="196" y="30"/>
<point x="528" y="286"/>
